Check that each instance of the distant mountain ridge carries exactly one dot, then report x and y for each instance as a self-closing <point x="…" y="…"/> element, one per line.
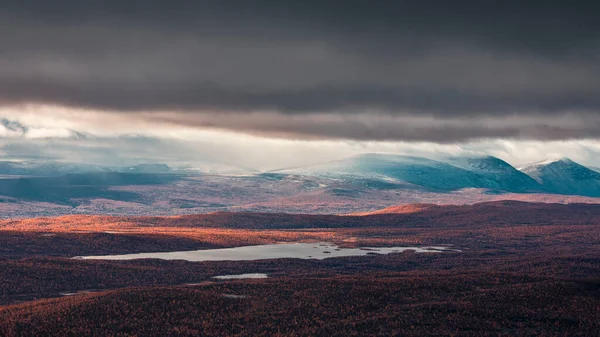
<point x="49" y="168"/>
<point x="561" y="176"/>
<point x="45" y="169"/>
<point x="354" y="184"/>
<point x="417" y="171"/>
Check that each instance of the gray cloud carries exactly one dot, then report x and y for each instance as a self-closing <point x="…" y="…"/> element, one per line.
<point x="384" y="127"/>
<point x="234" y="64"/>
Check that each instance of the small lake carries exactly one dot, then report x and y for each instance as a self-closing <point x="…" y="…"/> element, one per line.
<point x="241" y="276"/>
<point x="317" y="251"/>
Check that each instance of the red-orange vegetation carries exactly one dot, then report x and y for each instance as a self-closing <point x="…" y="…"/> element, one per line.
<point x="400" y="209"/>
<point x="524" y="269"/>
<point x="356" y="305"/>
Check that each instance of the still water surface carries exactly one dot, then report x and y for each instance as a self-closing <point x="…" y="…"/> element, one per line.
<point x="318" y="251"/>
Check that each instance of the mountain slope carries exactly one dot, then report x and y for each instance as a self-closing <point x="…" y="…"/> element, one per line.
<point x="564" y="176"/>
<point x="31" y="168"/>
<point x="439" y="175"/>
<point x="497" y="173"/>
<point x="420" y="172"/>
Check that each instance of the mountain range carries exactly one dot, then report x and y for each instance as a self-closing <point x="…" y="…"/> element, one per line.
<point x="357" y="184"/>
<point x="558" y="176"/>
<point x="48" y="169"/>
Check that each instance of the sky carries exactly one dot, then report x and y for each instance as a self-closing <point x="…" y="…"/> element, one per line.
<point x="285" y="83"/>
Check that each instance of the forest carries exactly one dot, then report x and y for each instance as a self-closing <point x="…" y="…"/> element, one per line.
<point x="353" y="305"/>
<point x="534" y="272"/>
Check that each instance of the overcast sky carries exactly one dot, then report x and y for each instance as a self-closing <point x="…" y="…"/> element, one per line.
<point x="285" y="82"/>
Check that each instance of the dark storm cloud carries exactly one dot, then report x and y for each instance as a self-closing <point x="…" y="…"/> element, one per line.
<point x="458" y="60"/>
<point x="385" y="127"/>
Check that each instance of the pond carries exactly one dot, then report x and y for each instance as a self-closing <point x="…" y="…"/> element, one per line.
<point x="317" y="251"/>
<point x="240" y="276"/>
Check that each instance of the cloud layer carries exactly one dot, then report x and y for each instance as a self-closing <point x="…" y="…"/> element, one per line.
<point x="388" y="70"/>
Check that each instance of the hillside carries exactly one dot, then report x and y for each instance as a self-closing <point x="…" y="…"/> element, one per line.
<point x="418" y="172"/>
<point x="564" y="176"/>
<point x="514" y="268"/>
<point x="497" y="213"/>
<point x="98" y="235"/>
<point x="448" y="174"/>
<point x="392" y="304"/>
<point x="497" y="174"/>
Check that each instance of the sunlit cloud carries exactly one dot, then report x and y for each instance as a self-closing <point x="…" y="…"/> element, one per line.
<point x="81" y="135"/>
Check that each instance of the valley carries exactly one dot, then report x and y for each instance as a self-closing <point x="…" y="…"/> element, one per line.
<point x="372" y="245"/>
<point x="299" y="168"/>
<point x="501" y="266"/>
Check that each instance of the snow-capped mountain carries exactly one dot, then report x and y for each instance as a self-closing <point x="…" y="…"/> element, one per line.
<point x="555" y="176"/>
<point x="497" y="173"/>
<point x="365" y="174"/>
<point x="443" y="175"/>
<point x="417" y="171"/>
<point x="564" y="176"/>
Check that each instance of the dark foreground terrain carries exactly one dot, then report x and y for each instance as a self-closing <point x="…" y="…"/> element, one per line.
<point x="522" y="269"/>
<point x="357" y="305"/>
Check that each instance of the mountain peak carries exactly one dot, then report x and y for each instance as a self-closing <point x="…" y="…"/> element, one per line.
<point x="546" y="162"/>
<point x="483" y="162"/>
<point x="565" y="176"/>
<point x="560" y="160"/>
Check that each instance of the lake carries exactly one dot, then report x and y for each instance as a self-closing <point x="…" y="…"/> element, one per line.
<point x="241" y="276"/>
<point x="317" y="251"/>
